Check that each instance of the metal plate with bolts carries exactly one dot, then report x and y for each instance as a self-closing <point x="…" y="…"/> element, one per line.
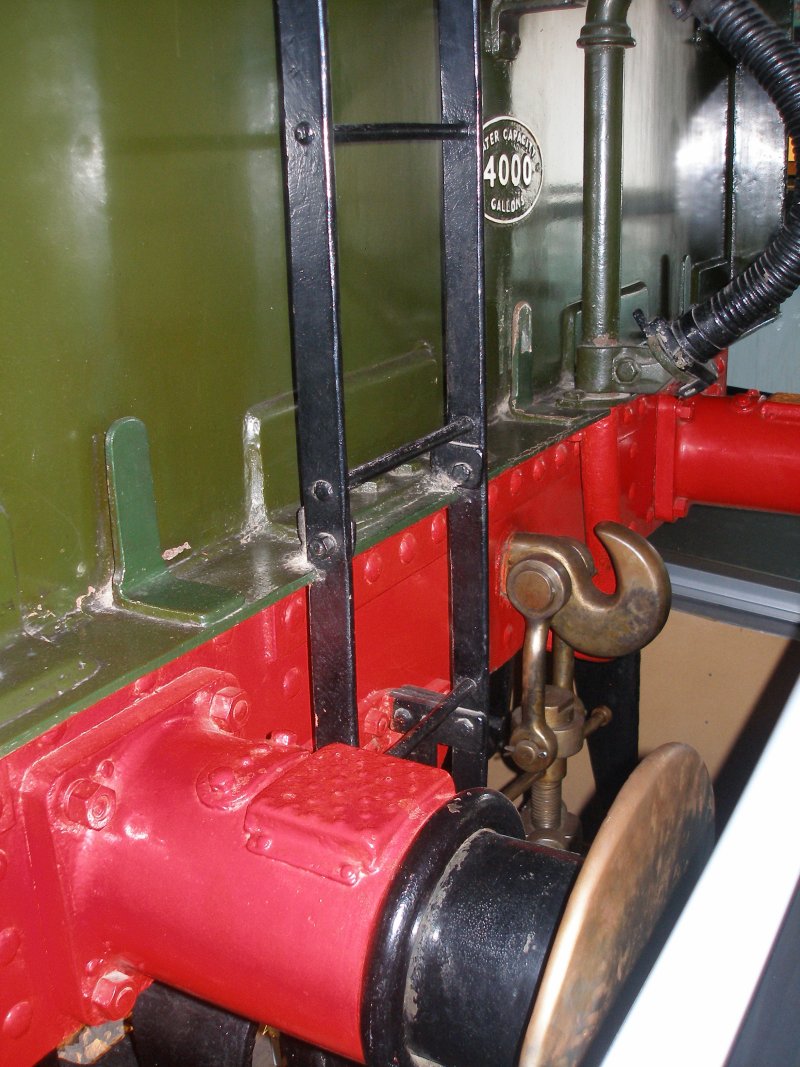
<point x="661" y="822"/>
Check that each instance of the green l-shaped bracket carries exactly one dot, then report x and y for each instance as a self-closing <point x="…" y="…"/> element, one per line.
<point x="142" y="581"/>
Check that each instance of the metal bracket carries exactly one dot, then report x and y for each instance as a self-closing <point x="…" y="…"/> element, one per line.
<point x="502" y="39"/>
<point x="461" y="461"/>
<point x="142" y="581"/>
<point x="429" y="719"/>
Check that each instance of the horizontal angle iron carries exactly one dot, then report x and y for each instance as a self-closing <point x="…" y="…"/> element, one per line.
<point x="434" y="719"/>
<point x="365" y="472"/>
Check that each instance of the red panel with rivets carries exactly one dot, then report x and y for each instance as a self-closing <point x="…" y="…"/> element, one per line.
<point x="644" y="462"/>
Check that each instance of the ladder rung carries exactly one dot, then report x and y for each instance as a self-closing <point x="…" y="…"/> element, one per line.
<point x="371" y="132"/>
<point x="390" y="460"/>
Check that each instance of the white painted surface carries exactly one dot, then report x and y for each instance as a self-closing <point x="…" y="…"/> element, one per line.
<point x="690" y="1008"/>
<point x="769" y="359"/>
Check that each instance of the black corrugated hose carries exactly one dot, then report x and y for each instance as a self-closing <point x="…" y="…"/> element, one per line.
<point x="695" y="337"/>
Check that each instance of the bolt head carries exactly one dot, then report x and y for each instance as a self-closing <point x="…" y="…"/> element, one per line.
<point x="402" y="720"/>
<point x="303" y="133"/>
<point x="626" y="371"/>
<point x="114" y="994"/>
<point x="222" y="779"/>
<point x="89" y="804"/>
<point x="461" y="473"/>
<point x="322" y="547"/>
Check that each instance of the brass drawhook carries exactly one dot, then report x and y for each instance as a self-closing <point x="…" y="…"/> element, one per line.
<point x="549" y="580"/>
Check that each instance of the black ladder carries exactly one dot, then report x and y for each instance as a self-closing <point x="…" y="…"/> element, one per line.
<point x="459" y="447"/>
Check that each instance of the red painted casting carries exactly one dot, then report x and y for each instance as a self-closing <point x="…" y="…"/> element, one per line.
<point x="738" y="451"/>
<point x="250" y="875"/>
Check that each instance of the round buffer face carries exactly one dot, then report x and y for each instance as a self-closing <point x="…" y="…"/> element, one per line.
<point x="660" y="826"/>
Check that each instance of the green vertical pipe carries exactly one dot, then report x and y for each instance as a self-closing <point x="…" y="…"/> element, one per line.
<point x="604" y="38"/>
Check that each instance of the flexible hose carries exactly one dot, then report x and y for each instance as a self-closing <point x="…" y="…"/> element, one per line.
<point x="695" y="337"/>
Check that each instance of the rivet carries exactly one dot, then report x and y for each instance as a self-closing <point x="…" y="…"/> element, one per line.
<point x="539" y="469"/>
<point x="408" y="548"/>
<point x="18" y="1021"/>
<point x="322" y="490"/>
<point x="508" y="634"/>
<point x="493" y="494"/>
<point x="3" y="864"/>
<point x="291" y="683"/>
<point x="10" y="940"/>
<point x="438" y="528"/>
<point x="561" y="456"/>
<point x="373" y="567"/>
<point x="293" y="614"/>
<point x="516" y="483"/>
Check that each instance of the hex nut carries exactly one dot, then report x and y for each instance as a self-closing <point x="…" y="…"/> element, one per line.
<point x="230" y="708"/>
<point x="89" y="804"/>
<point x="114" y="994"/>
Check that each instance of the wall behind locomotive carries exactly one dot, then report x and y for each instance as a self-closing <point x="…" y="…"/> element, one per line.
<point x="769" y="359"/>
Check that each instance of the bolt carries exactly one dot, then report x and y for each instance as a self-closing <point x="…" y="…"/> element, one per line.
<point x="230" y="708"/>
<point x="348" y="874"/>
<point x="284" y="739"/>
<point x="527" y="754"/>
<point x="461" y="473"/>
<point x="322" y="547"/>
<point x="626" y="371"/>
<point x="377" y="721"/>
<point x="222" y="779"/>
<point x="89" y="804"/>
<point x="114" y="994"/>
<point x="402" y="720"/>
<point x="303" y="133"/>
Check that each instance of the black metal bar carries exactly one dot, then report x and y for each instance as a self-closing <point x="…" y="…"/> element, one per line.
<point x="438" y="714"/>
<point x="307" y="141"/>
<point x="372" y="132"/>
<point x="463" y="302"/>
<point x="390" y="460"/>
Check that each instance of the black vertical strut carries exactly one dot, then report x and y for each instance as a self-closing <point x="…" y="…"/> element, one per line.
<point x="458" y="449"/>
<point x="316" y="343"/>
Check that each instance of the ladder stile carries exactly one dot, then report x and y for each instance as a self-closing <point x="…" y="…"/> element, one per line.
<point x="307" y="140"/>
<point x="464" y="350"/>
